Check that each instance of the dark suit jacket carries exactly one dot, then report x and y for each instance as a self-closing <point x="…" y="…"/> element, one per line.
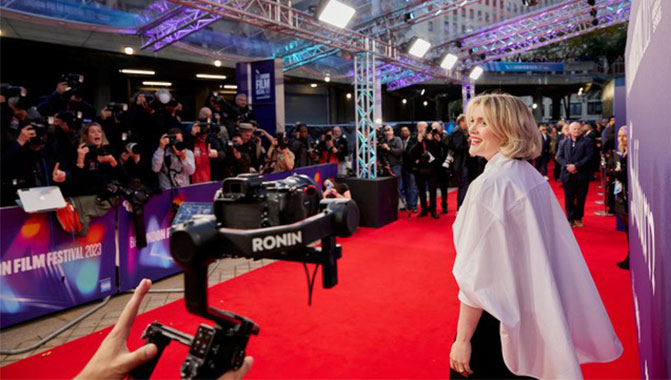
<point x="545" y="144"/>
<point x="460" y="146"/>
<point x="579" y="154"/>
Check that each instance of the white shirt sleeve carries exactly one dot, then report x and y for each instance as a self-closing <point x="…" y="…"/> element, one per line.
<point x="157" y="160"/>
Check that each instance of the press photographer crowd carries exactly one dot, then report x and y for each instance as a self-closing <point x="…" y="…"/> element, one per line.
<point x="137" y="148"/>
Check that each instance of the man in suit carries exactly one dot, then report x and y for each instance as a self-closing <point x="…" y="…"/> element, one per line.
<point x="460" y="146"/>
<point x="423" y="155"/>
<point x="589" y="133"/>
<point x="408" y="185"/>
<point x="574" y="155"/>
<point x="541" y="161"/>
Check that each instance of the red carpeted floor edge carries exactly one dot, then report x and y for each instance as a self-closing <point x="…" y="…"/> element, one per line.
<point x="393" y="314"/>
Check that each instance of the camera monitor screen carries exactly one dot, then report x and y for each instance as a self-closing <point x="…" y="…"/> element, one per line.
<point x="187" y="210"/>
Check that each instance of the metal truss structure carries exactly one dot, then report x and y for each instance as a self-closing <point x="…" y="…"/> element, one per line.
<point x="531" y="31"/>
<point x="276" y="16"/>
<point x="383" y="26"/>
<point x="173" y="24"/>
<point x="366" y="97"/>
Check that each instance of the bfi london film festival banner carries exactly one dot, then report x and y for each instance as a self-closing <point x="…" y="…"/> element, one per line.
<point x="263" y="82"/>
<point x="45" y="269"/>
<point x="154" y="260"/>
<point x="648" y="81"/>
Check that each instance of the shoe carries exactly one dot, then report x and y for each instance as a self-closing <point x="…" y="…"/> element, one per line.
<point x="571" y="223"/>
<point x="444" y="211"/>
<point x="435" y="215"/>
<point x="414" y="210"/>
<point x="624" y="264"/>
<point x="422" y="214"/>
<point x="578" y="223"/>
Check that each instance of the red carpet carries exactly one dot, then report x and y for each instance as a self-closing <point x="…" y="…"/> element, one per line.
<point x="393" y="315"/>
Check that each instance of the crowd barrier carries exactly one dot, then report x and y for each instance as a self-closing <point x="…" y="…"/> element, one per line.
<point x="44" y="269"/>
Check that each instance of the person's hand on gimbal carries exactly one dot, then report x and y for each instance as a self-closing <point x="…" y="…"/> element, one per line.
<point x="113" y="360"/>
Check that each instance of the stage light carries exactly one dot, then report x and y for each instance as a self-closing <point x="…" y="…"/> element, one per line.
<point x="476" y="72"/>
<point x="230" y="87"/>
<point x="336" y="13"/>
<point x="137" y="72"/>
<point x="210" y="76"/>
<point x="593" y="12"/>
<point x="349" y="95"/>
<point x="418" y="47"/>
<point x="404" y="101"/>
<point x="409" y="16"/>
<point x="422" y="92"/>
<point x="152" y="83"/>
<point x="378" y="121"/>
<point x="425" y="103"/>
<point x="217" y="63"/>
<point x="327" y="79"/>
<point x="449" y="61"/>
<point x="128" y="50"/>
<point x="534" y="106"/>
<point x="313" y="85"/>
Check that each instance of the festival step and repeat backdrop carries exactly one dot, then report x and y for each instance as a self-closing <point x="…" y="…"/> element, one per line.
<point x="44" y="269"/>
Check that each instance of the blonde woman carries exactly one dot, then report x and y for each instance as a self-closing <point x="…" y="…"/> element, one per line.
<point x="529" y="306"/>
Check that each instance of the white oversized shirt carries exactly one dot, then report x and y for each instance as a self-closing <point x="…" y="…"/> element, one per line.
<point x="518" y="259"/>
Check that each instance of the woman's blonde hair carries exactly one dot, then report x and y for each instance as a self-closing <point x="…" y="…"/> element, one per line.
<point x="85" y="133"/>
<point x="511" y="121"/>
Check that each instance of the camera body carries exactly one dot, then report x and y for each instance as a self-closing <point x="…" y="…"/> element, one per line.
<point x="246" y="202"/>
<point x="41" y="129"/>
<point x="179" y="145"/>
<point x="104" y="150"/>
<point x="74" y="82"/>
<point x="117" y="109"/>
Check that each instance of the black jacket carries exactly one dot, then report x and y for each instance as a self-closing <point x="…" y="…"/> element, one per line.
<point x="578" y="153"/>
<point x="459" y="141"/>
<point x="421" y="154"/>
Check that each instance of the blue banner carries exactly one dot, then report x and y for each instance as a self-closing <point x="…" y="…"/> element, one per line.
<point x="44" y="269"/>
<point x="263" y="82"/>
<point x="516" y="67"/>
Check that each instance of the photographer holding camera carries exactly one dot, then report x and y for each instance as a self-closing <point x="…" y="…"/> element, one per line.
<point x="114" y="120"/>
<point x="203" y="153"/>
<point x="67" y="97"/>
<point x="173" y="162"/>
<point x="443" y="162"/>
<point x="240" y="111"/>
<point x="390" y="152"/>
<point x="300" y="144"/>
<point x="237" y="160"/>
<point x="424" y="155"/>
<point x="343" y="151"/>
<point x="279" y="158"/>
<point x="327" y="150"/>
<point x="251" y="143"/>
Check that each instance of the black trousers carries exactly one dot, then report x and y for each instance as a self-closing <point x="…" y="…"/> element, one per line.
<point x="486" y="354"/>
<point x="443" y="182"/>
<point x="424" y="181"/>
<point x="541" y="164"/>
<point x="575" y="193"/>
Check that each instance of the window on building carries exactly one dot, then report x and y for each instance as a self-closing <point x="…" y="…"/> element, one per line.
<point x="471" y="13"/>
<point x="463" y="28"/>
<point x="463" y="12"/>
<point x="487" y="2"/>
<point x="494" y="3"/>
<point x="430" y="26"/>
<point x="487" y="16"/>
<point x="479" y="15"/>
<point x="446" y="26"/>
<point x="575" y="109"/>
<point x="594" y="108"/>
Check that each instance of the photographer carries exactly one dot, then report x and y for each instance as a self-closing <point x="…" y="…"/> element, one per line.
<point x="251" y="143"/>
<point x="114" y="120"/>
<point x="343" y="151"/>
<point x="332" y="189"/>
<point x="408" y="185"/>
<point x="299" y="146"/>
<point x="240" y="111"/>
<point x="328" y="152"/>
<point x="137" y="167"/>
<point x="279" y="158"/>
<point x="460" y="146"/>
<point x="442" y="162"/>
<point x="67" y="97"/>
<point x="237" y="161"/>
<point x="173" y="162"/>
<point x="28" y="161"/>
<point x="141" y="116"/>
<point x="423" y="155"/>
<point x="203" y="151"/>
<point x="390" y="152"/>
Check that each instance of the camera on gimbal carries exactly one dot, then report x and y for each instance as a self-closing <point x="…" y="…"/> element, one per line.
<point x="202" y="239"/>
<point x="137" y="198"/>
